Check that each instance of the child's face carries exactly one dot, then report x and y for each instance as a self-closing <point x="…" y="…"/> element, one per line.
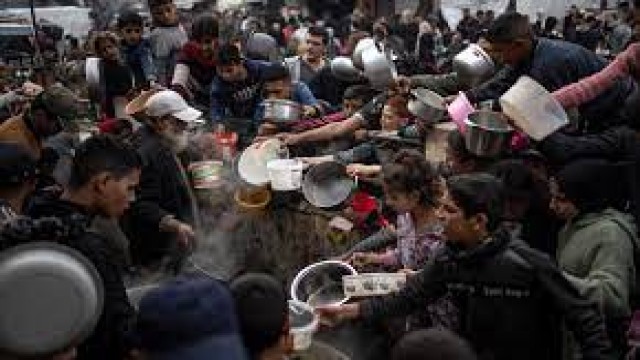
<point x="389" y="121"/>
<point x="350" y="106"/>
<point x="399" y="201"/>
<point x="109" y="50"/>
<point x="165" y="14"/>
<point x="279" y="89"/>
<point x="131" y="34"/>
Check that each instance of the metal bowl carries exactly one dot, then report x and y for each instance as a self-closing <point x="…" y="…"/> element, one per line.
<point x="342" y="68"/>
<point x="487" y="133"/>
<point x="51" y="297"/>
<point x="320" y="284"/>
<point x="379" y="69"/>
<point x="427" y="105"/>
<point x="473" y="66"/>
<point x="327" y="185"/>
<point x="281" y="111"/>
<point x="362" y="45"/>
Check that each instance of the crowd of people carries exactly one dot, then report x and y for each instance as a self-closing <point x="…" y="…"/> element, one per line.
<point x="528" y="254"/>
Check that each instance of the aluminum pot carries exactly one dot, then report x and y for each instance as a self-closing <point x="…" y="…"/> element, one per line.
<point x="342" y="68"/>
<point x="93" y="77"/>
<point x="378" y="68"/>
<point x="320" y="284"/>
<point x="327" y="185"/>
<point x="427" y="105"/>
<point x="281" y="111"/>
<point x="362" y="45"/>
<point x="473" y="65"/>
<point x="487" y="133"/>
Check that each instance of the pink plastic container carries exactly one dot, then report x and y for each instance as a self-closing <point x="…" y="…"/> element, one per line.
<point x="459" y="110"/>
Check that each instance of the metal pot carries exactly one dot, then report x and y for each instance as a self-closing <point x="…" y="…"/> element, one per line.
<point x="327" y="185"/>
<point x="427" y="105"/>
<point x="320" y="284"/>
<point x="487" y="133"/>
<point x="378" y="68"/>
<point x="342" y="68"/>
<point x="362" y="45"/>
<point x="281" y="111"/>
<point x="473" y="65"/>
<point x="93" y="76"/>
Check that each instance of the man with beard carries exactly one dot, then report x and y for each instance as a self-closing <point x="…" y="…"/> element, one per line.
<point x="162" y="218"/>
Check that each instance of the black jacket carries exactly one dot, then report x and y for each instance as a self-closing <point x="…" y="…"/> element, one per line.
<point x="162" y="191"/>
<point x="108" y="340"/>
<point x="511" y="300"/>
<point x="619" y="145"/>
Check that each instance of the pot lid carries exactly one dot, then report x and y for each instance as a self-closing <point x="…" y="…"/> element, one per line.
<point x="50" y="295"/>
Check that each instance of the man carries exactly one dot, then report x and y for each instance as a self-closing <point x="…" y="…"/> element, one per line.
<point x="305" y="68"/>
<point x="237" y="90"/>
<point x="596" y="246"/>
<point x="47" y="115"/>
<point x="553" y="64"/>
<point x="104" y="175"/>
<point x="164" y="213"/>
<point x="188" y="318"/>
<point x="18" y="176"/>
<point x="512" y="299"/>
<point x="263" y="312"/>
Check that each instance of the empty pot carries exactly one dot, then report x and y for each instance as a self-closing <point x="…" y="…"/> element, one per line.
<point x="427" y="105"/>
<point x="342" y="68"/>
<point x="473" y="66"/>
<point x="327" y="184"/>
<point x="320" y="284"/>
<point x="281" y="111"/>
<point x="362" y="45"/>
<point x="487" y="133"/>
<point x="379" y="69"/>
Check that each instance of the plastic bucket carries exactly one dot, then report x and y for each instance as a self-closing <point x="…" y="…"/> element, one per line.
<point x="533" y="109"/>
<point x="304" y="324"/>
<point x="459" y="110"/>
<point x="206" y="174"/>
<point x="285" y="174"/>
<point x="252" y="165"/>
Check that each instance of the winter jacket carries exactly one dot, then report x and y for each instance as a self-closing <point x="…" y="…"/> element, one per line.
<point x="554" y="64"/>
<point x="139" y="58"/>
<point x="18" y="131"/>
<point x="108" y="340"/>
<point x="163" y="191"/>
<point x="596" y="252"/>
<point x="511" y="301"/>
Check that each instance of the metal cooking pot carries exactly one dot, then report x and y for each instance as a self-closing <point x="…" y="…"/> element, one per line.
<point x="320" y="284"/>
<point x="378" y="68"/>
<point x="327" y="185"/>
<point x="473" y="65"/>
<point x="281" y="111"/>
<point x="362" y="45"/>
<point x="342" y="68"/>
<point x="93" y="76"/>
<point x="487" y="133"/>
<point x="427" y="105"/>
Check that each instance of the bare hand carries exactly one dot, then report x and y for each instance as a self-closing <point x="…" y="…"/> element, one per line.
<point x="403" y="84"/>
<point x="309" y="111"/>
<point x="365" y="171"/>
<point x="184" y="234"/>
<point x="289" y="139"/>
<point x="360" y="259"/>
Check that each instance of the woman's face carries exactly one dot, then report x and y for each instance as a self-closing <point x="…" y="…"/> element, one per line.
<point x="389" y="120"/>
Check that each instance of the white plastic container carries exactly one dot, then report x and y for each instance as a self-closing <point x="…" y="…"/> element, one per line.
<point x="304" y="324"/>
<point x="533" y="109"/>
<point x="285" y="174"/>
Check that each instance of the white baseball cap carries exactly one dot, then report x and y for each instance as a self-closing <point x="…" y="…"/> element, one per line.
<point x="169" y="102"/>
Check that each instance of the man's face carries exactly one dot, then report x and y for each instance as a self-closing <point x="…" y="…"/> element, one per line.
<point x="131" y="34"/>
<point x="114" y="194"/>
<point x="509" y="53"/>
<point x="350" y="106"/>
<point x="174" y="131"/>
<point x="232" y="73"/>
<point x="165" y="14"/>
<point x="561" y="206"/>
<point x="457" y="228"/>
<point x="279" y="89"/>
<point x="45" y="124"/>
<point x="315" y="46"/>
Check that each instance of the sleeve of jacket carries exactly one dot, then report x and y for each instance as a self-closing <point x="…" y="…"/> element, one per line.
<point x="493" y="88"/>
<point x="217" y="110"/>
<point x="146" y="208"/>
<point x="581" y="315"/>
<point x="425" y="286"/>
<point x="608" y="279"/>
<point x="375" y="242"/>
<point x="147" y="63"/>
<point x="363" y="153"/>
<point x="444" y="85"/>
<point x="303" y="95"/>
<point x="560" y="148"/>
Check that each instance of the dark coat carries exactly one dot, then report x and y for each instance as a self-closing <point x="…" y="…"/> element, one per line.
<point x="162" y="191"/>
<point x="511" y="299"/>
<point x="108" y="340"/>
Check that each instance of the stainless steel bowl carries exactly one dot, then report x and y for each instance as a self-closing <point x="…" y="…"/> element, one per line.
<point x="281" y="111"/>
<point x="320" y="284"/>
<point x="427" y="105"/>
<point x="327" y="185"/>
<point x="378" y="68"/>
<point x="487" y="133"/>
<point x="342" y="68"/>
<point x="362" y="45"/>
<point x="473" y="66"/>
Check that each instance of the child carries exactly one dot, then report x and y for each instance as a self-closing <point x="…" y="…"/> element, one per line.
<point x="117" y="78"/>
<point x="136" y="50"/>
<point x="167" y="38"/>
<point x="261" y="304"/>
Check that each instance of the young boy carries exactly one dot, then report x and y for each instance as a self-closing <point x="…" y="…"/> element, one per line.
<point x="261" y="303"/>
<point x="104" y="175"/>
<point x="166" y="38"/>
<point x="136" y="50"/>
<point x="512" y="299"/>
<point x="117" y="77"/>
